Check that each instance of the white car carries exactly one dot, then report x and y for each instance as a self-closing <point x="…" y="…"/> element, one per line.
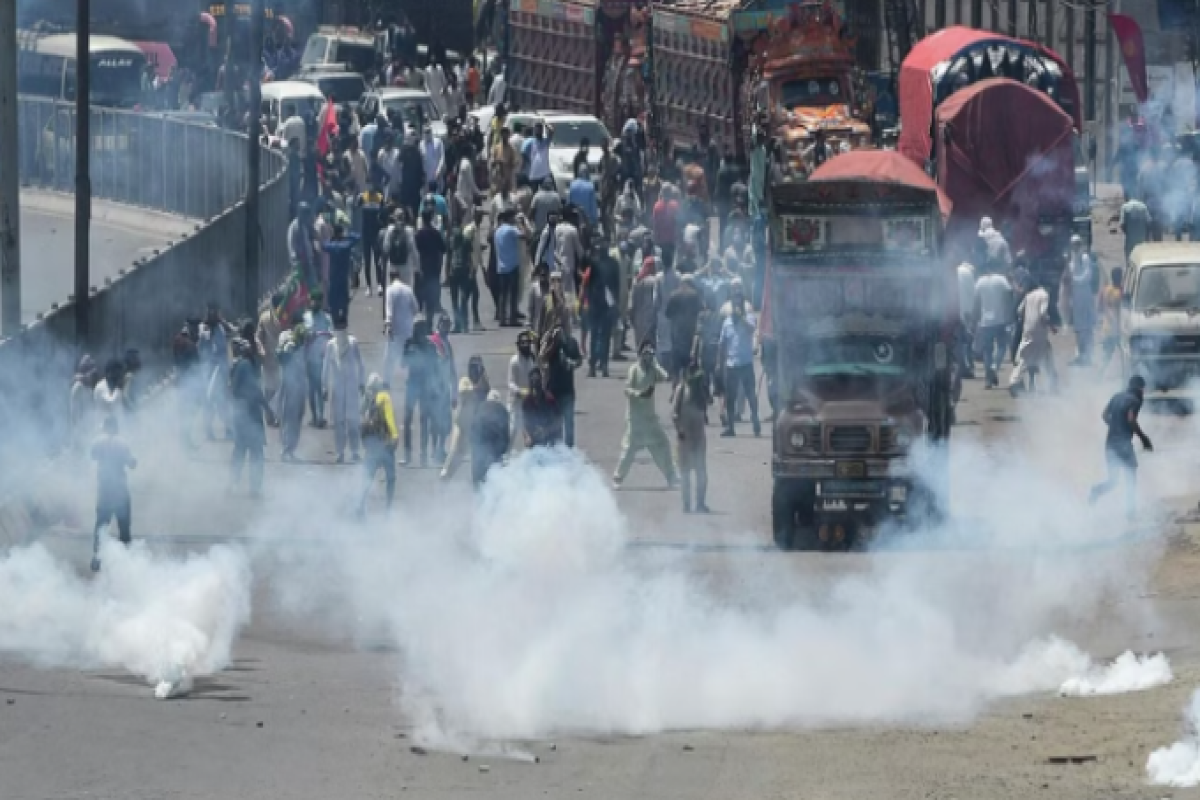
<point x="414" y="106"/>
<point x="569" y="131"/>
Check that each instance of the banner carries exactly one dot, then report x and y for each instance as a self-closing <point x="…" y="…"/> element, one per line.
<point x="1129" y="36"/>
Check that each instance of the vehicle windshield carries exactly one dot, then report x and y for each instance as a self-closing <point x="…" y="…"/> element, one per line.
<point x="298" y="107"/>
<point x="812" y="92"/>
<point x="359" y="57"/>
<point x="858" y="355"/>
<point x="415" y="111"/>
<point x="1168" y="288"/>
<point x="314" y="51"/>
<point x="117" y="79"/>
<point x="342" y="88"/>
<point x="570" y="134"/>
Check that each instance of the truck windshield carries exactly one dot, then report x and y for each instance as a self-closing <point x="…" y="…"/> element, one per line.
<point x="117" y="79"/>
<point x="819" y="92"/>
<point x="314" y="51"/>
<point x="1168" y="288"/>
<point x="859" y="355"/>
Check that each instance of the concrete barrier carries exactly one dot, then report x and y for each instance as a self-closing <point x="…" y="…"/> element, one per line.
<point x="159" y="163"/>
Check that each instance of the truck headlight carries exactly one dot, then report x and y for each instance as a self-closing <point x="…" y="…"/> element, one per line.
<point x="798" y="440"/>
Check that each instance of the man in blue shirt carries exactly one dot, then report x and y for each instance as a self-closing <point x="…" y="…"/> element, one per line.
<point x="507" y="242"/>
<point x="582" y="195"/>
<point x="736" y="357"/>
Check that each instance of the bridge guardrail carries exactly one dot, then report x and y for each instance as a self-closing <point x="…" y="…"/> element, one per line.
<point x="152" y="161"/>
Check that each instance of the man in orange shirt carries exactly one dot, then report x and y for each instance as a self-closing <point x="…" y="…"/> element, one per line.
<point x="474" y="82"/>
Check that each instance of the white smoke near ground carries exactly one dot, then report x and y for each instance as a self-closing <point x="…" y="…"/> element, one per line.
<point x="1179" y="764"/>
<point x="535" y="614"/>
<point x="1128" y="673"/>
<point x="168" y="620"/>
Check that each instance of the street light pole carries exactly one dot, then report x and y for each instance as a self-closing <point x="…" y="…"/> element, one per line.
<point x="10" y="217"/>
<point x="83" y="182"/>
<point x="254" y="158"/>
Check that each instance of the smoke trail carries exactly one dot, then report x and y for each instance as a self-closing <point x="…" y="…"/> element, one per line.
<point x="167" y="620"/>
<point x="1179" y="764"/>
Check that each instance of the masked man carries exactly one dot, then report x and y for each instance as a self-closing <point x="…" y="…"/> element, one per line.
<point x="642" y="428"/>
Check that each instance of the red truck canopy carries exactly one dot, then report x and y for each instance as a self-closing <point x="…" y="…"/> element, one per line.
<point x="879" y="166"/>
<point x="865" y="166"/>
<point x="916" y="84"/>
<point x="1008" y="152"/>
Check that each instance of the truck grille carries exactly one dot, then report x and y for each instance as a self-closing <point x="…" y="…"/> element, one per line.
<point x="855" y="439"/>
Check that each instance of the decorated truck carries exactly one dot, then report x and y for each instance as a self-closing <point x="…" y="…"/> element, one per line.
<point x="713" y="65"/>
<point x="996" y="120"/>
<point x="859" y="318"/>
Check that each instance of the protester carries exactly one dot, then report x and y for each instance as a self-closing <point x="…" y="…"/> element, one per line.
<point x="507" y="246"/>
<point x="1121" y="417"/>
<point x="342" y="381"/>
<point x="682" y="311"/>
<point x="113" y="458"/>
<point x="290" y="355"/>
<point x="519" y="367"/>
<point x="473" y="390"/>
<point x="602" y="292"/>
<point x="318" y="326"/>
<point x="642" y="428"/>
<point x="736" y="358"/>
<point x="247" y="413"/>
<point x="540" y="413"/>
<point x="490" y="437"/>
<point x="420" y="356"/>
<point x="339" y="250"/>
<point x="643" y="309"/>
<point x="561" y="357"/>
<point x="431" y="251"/>
<point x="1034" y="351"/>
<point x="379" y="438"/>
<point x="267" y="338"/>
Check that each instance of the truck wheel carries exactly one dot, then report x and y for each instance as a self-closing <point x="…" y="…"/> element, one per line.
<point x="792" y="517"/>
<point x="783" y="515"/>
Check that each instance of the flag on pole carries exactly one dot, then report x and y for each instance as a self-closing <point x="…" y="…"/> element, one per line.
<point x="1129" y="37"/>
<point x="294" y="297"/>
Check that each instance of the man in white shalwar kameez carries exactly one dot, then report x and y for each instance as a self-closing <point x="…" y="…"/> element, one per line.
<point x="1034" y="352"/>
<point x="344" y="379"/>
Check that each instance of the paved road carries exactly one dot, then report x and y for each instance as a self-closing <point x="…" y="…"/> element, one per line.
<point x="354" y="625"/>
<point x="48" y="246"/>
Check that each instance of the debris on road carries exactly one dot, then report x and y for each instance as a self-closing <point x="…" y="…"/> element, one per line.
<point x="418" y="751"/>
<point x="1088" y="759"/>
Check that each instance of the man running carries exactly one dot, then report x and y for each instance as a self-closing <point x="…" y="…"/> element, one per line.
<point x="1121" y="417"/>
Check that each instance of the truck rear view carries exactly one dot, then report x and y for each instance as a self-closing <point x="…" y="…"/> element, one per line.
<point x="860" y="308"/>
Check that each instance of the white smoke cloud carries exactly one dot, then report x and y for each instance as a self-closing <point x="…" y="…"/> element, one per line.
<point x="166" y="620"/>
<point x="1128" y="673"/>
<point x="531" y="616"/>
<point x="1179" y="764"/>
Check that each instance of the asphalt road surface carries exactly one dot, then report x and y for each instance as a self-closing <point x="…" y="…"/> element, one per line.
<point x="317" y="704"/>
<point x="48" y="247"/>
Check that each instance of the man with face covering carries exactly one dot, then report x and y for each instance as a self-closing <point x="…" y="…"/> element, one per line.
<point x="379" y="438"/>
<point x="642" y="428"/>
<point x="473" y="390"/>
<point x="519" y="368"/>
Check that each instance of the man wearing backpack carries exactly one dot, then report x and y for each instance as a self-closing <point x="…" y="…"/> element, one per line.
<point x="379" y="438"/>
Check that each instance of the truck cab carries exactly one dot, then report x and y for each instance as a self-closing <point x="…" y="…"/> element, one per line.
<point x="859" y="310"/>
<point x="807" y="82"/>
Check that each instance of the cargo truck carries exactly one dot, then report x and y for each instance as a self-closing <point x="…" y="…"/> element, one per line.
<point x="996" y="120"/>
<point x="695" y="65"/>
<point x="859" y="315"/>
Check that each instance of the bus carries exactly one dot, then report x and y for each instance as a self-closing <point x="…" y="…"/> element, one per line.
<point x="46" y="68"/>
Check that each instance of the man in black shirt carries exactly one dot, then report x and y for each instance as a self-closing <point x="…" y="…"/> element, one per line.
<point x="1121" y="416"/>
<point x="431" y="253"/>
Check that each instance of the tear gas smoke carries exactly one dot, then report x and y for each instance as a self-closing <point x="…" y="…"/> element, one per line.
<point x="533" y="617"/>
<point x="1179" y="764"/>
<point x="1128" y="673"/>
<point x="167" y="620"/>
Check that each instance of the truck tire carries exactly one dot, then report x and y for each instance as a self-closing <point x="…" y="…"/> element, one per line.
<point x="792" y="518"/>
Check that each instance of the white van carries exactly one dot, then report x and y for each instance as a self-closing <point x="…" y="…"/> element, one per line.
<point x="1160" y="314"/>
<point x="284" y="99"/>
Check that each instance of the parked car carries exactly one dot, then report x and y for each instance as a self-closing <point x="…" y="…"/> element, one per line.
<point x="569" y="131"/>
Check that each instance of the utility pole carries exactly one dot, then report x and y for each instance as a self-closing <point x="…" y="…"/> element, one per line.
<point x="1089" y="65"/>
<point x="83" y="180"/>
<point x="254" y="159"/>
<point x="10" y="217"/>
